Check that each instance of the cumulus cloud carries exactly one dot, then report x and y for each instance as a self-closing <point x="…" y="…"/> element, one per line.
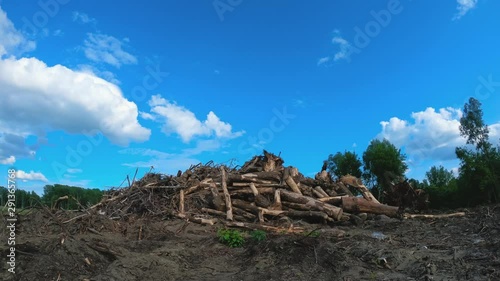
<point x="344" y="49"/>
<point x="12" y="42"/>
<point x="8" y="161"/>
<point x="179" y="120"/>
<point x="62" y="99"/>
<point x="74" y="171"/>
<point x="464" y="6"/>
<point x="433" y="135"/>
<point x="30" y="176"/>
<point x="83" y="18"/>
<point x="107" y="49"/>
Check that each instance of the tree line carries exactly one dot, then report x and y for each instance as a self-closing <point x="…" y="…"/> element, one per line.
<point x="478" y="180"/>
<point x="78" y="197"/>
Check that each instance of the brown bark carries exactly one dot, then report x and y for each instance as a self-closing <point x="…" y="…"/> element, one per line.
<point x="268" y="228"/>
<point x="287" y="177"/>
<point x="217" y="201"/>
<point x="334" y="200"/>
<point x="330" y="210"/>
<point x="414" y="216"/>
<point x="321" y="191"/>
<point x="227" y="197"/>
<point x="181" y="202"/>
<point x="361" y="205"/>
<point x="358" y="184"/>
<point x="261" y="190"/>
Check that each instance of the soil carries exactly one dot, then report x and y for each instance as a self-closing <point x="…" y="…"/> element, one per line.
<point x="378" y="248"/>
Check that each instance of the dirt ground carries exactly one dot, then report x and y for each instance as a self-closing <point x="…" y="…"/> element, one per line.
<point x="379" y="248"/>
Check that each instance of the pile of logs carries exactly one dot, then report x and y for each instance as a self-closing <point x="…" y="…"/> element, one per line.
<point x="263" y="192"/>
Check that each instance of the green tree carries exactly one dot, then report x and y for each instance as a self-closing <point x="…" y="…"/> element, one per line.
<point x="383" y="164"/>
<point x="439" y="176"/>
<point x="479" y="180"/>
<point x="345" y="163"/>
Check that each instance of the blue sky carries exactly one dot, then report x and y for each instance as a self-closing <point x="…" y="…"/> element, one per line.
<point x="90" y="91"/>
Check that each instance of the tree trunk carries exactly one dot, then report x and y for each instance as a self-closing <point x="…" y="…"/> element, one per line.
<point x="361" y="205"/>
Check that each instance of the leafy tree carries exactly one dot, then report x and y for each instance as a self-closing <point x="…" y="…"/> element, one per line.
<point x="479" y="180"/>
<point x="439" y="176"/>
<point x="84" y="196"/>
<point x="383" y="163"/>
<point x="345" y="163"/>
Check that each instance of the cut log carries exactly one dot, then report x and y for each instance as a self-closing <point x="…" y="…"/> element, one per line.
<point x="334" y="200"/>
<point x="313" y="204"/>
<point x="317" y="194"/>
<point x="253" y="226"/>
<point x="216" y="199"/>
<point x="277" y="201"/>
<point x="321" y="191"/>
<point x="196" y="219"/>
<point x="245" y="184"/>
<point x="246" y="206"/>
<point x="271" y="176"/>
<point x="361" y="205"/>
<point x="356" y="183"/>
<point x="441" y="216"/>
<point x="221" y="214"/>
<point x="247" y="215"/>
<point x="308" y="215"/>
<point x="254" y="189"/>
<point x="261" y="190"/>
<point x="287" y="177"/>
<point x="181" y="201"/>
<point x="342" y="188"/>
<point x="234" y="178"/>
<point x="259" y="199"/>
<point x="227" y="197"/>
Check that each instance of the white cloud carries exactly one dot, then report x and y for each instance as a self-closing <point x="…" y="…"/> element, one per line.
<point x="74" y="171"/>
<point x="8" y="161"/>
<point x="107" y="49"/>
<point x="344" y="49"/>
<point x="106" y="75"/>
<point x="83" y="18"/>
<point x="464" y="6"/>
<point x="323" y="60"/>
<point x="433" y="135"/>
<point x="145" y="152"/>
<point x="170" y="163"/>
<point x="85" y="101"/>
<point x="146" y="116"/>
<point x="177" y="119"/>
<point x="30" y="176"/>
<point x="58" y="91"/>
<point x="57" y="33"/>
<point x="12" y="42"/>
<point x="344" y="46"/>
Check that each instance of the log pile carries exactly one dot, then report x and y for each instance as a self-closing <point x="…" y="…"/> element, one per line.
<point x="262" y="193"/>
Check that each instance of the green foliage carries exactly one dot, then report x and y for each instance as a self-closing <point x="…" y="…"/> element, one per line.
<point x="85" y="197"/>
<point x="232" y="238"/>
<point x="258" y="235"/>
<point x="345" y="163"/>
<point x="479" y="180"/>
<point x="24" y="199"/>
<point x="315" y="233"/>
<point x="383" y="164"/>
<point x="439" y="176"/>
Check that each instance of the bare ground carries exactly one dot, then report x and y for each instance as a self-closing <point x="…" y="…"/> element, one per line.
<point x="379" y="248"/>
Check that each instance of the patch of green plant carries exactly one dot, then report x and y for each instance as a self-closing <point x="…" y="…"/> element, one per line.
<point x="315" y="233"/>
<point x="232" y="238"/>
<point x="258" y="235"/>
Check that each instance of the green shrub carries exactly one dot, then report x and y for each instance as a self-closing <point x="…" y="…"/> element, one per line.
<point x="230" y="237"/>
<point x="258" y="235"/>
